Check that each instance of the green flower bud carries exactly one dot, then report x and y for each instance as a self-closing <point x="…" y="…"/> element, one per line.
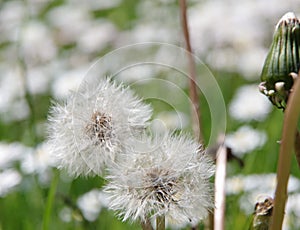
<point x="262" y="214"/>
<point x="283" y="61"/>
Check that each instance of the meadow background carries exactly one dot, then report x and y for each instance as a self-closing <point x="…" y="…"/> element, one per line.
<point x="46" y="47"/>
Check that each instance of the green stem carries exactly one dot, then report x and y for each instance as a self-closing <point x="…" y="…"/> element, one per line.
<point x="160" y="223"/>
<point x="50" y="201"/>
<point x="291" y="116"/>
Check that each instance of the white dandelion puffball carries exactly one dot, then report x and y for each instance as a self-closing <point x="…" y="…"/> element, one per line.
<point x="170" y="180"/>
<point x="93" y="125"/>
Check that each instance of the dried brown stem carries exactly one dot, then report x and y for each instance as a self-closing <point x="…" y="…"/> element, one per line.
<point x="196" y="115"/>
<point x="160" y="223"/>
<point x="291" y="116"/>
<point x="146" y="225"/>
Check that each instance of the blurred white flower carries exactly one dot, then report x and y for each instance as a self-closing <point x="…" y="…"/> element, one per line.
<point x="91" y="204"/>
<point x="17" y="111"/>
<point x="96" y="37"/>
<point x="245" y="140"/>
<point x="38" y="80"/>
<point x="261" y="183"/>
<point x="39" y="162"/>
<point x="168" y="178"/>
<point x="13" y="106"/>
<point x="67" y="81"/>
<point x="69" y="21"/>
<point x="37" y="43"/>
<point x="11" y="153"/>
<point x="8" y="91"/>
<point x="238" y="43"/>
<point x="9" y="179"/>
<point x="91" y="127"/>
<point x="65" y="214"/>
<point x="249" y="104"/>
<point x="12" y="15"/>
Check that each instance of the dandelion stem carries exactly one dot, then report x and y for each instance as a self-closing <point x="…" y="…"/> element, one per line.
<point x="146" y="225"/>
<point x="50" y="201"/>
<point x="160" y="223"/>
<point x="196" y="115"/>
<point x="291" y="116"/>
<point x="195" y="109"/>
<point x="220" y="177"/>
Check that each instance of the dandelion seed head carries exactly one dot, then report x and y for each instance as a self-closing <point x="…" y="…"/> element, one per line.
<point x="89" y="130"/>
<point x="171" y="179"/>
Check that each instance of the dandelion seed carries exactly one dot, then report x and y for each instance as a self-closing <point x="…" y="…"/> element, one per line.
<point x="171" y="179"/>
<point x="90" y="129"/>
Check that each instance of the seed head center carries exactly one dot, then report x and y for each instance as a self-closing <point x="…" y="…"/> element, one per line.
<point x="163" y="186"/>
<point x="100" y="127"/>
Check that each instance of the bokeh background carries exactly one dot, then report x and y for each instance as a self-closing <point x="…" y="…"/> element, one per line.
<point x="46" y="48"/>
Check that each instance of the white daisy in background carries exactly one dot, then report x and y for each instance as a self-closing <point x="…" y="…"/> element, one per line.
<point x="68" y="80"/>
<point x="39" y="162"/>
<point x="65" y="214"/>
<point x="262" y="183"/>
<point x="11" y="153"/>
<point x="245" y="140"/>
<point x="249" y="104"/>
<point x="91" y="204"/>
<point x="9" y="179"/>
<point x="37" y="43"/>
<point x="171" y="179"/>
<point x="91" y="127"/>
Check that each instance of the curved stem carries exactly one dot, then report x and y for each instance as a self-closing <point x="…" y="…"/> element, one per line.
<point x="291" y="116"/>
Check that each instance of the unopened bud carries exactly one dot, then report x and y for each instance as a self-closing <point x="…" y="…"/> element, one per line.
<point x="283" y="59"/>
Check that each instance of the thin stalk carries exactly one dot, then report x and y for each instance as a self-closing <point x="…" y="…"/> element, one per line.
<point x="50" y="201"/>
<point x="195" y="109"/>
<point x="160" y="223"/>
<point x="291" y="116"/>
<point x="146" y="225"/>
<point x="220" y="196"/>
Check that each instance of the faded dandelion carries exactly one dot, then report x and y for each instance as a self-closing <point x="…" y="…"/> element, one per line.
<point x="170" y="179"/>
<point x="93" y="125"/>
